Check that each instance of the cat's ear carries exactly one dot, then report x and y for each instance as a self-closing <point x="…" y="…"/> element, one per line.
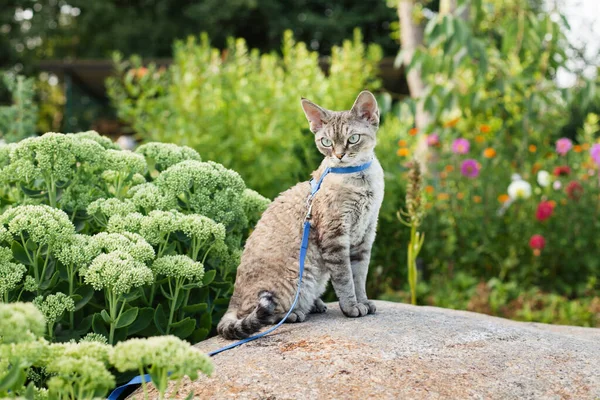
<point x="365" y="107"/>
<point x="316" y="115"/>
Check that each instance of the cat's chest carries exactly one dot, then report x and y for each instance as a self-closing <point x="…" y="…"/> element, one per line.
<point x="361" y="207"/>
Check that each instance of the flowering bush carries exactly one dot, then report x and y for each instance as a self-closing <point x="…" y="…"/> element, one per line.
<point x="33" y="368"/>
<point x="499" y="170"/>
<point x="120" y="243"/>
<point x="492" y="217"/>
<point x="239" y="107"/>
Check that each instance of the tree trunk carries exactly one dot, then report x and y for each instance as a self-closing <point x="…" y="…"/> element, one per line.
<point x="411" y="37"/>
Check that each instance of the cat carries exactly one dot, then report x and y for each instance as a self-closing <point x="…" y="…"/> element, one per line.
<point x="344" y="220"/>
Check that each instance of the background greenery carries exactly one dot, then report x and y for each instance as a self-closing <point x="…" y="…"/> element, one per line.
<point x="109" y="245"/>
<point x="489" y="77"/>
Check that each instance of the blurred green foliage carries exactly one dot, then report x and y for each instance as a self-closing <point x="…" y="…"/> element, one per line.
<point x="18" y="120"/>
<point x="242" y="108"/>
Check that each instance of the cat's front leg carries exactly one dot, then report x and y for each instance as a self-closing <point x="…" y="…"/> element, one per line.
<point x="360" y="257"/>
<point x="336" y="256"/>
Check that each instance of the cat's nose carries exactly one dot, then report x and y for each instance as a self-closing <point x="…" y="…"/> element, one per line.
<point x="340" y="156"/>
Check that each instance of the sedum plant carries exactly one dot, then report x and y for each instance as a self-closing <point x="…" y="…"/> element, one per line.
<point x="95" y="236"/>
<point x="164" y="358"/>
<point x="33" y="368"/>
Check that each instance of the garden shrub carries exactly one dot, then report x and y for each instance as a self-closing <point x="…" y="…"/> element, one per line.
<point x="509" y="202"/>
<point x="33" y="368"/>
<point x="242" y="108"/>
<point x="119" y="243"/>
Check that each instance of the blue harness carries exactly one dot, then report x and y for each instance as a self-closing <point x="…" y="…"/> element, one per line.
<point x="314" y="188"/>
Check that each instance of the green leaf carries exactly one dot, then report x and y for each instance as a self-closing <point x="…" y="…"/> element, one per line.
<point x="221" y="302"/>
<point x="31" y="245"/>
<point x="164" y="292"/>
<point x="221" y="285"/>
<point x="160" y="319"/>
<point x="34" y="193"/>
<point x="195" y="308"/>
<point x="144" y="318"/>
<point x="205" y="321"/>
<point x="20" y="254"/>
<point x="14" y="379"/>
<point x="127" y="318"/>
<point x="106" y="317"/>
<point x="179" y="301"/>
<point x="86" y="293"/>
<point x="183" y="328"/>
<point x="29" y="393"/>
<point x="199" y="335"/>
<point x="209" y="276"/>
<point x="189" y="286"/>
<point x="131" y="296"/>
<point x="98" y="325"/>
<point x="84" y="325"/>
<point x="50" y="283"/>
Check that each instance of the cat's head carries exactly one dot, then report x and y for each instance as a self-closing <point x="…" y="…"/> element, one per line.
<point x="345" y="138"/>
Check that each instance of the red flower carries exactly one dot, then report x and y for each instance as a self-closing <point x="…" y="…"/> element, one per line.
<point x="544" y="211"/>
<point x="537" y="243"/>
<point x="574" y="190"/>
<point x="563" y="170"/>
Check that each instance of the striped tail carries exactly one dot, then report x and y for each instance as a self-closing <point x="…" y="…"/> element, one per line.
<point x="231" y="327"/>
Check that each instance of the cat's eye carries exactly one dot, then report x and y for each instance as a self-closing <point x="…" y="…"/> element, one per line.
<point x="326" y="142"/>
<point x="354" y="139"/>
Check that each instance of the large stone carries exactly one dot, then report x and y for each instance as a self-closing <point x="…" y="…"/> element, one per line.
<point x="407" y="352"/>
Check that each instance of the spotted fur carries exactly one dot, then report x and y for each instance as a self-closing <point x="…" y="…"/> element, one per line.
<point x="344" y="219"/>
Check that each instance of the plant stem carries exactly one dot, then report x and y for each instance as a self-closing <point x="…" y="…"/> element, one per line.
<point x="173" y="303"/>
<point x="70" y="274"/>
<point x="113" y="304"/>
<point x="144" y="388"/>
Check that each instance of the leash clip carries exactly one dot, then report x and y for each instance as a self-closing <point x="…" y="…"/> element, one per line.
<point x="309" y="213"/>
<point x="309" y="205"/>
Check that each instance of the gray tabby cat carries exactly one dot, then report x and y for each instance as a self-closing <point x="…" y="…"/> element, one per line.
<point x="344" y="219"/>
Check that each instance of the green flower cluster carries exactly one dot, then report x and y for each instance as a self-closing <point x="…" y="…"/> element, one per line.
<point x="118" y="272"/>
<point x="10" y="273"/>
<point x="21" y="322"/>
<point x="163" y="357"/>
<point x="161" y="156"/>
<point x="73" y="371"/>
<point x="119" y="244"/>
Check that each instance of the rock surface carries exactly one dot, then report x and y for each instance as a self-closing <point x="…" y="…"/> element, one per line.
<point x="406" y="352"/>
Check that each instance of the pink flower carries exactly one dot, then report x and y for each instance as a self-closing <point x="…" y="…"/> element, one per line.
<point x="470" y="168"/>
<point x="461" y="146"/>
<point x="544" y="211"/>
<point x="563" y="146"/>
<point x="537" y="244"/>
<point x="562" y="170"/>
<point x="574" y="190"/>
<point x="433" y="140"/>
<point x="595" y="153"/>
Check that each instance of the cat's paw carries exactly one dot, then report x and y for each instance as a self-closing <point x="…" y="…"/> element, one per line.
<point x="318" y="307"/>
<point x="296" y="316"/>
<point x="370" y="305"/>
<point x="354" y="310"/>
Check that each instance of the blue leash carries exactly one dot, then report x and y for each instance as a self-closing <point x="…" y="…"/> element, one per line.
<point x="314" y="188"/>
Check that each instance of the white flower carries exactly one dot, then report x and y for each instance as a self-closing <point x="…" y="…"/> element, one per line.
<point x="557" y="185"/>
<point x="543" y="178"/>
<point x="519" y="190"/>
